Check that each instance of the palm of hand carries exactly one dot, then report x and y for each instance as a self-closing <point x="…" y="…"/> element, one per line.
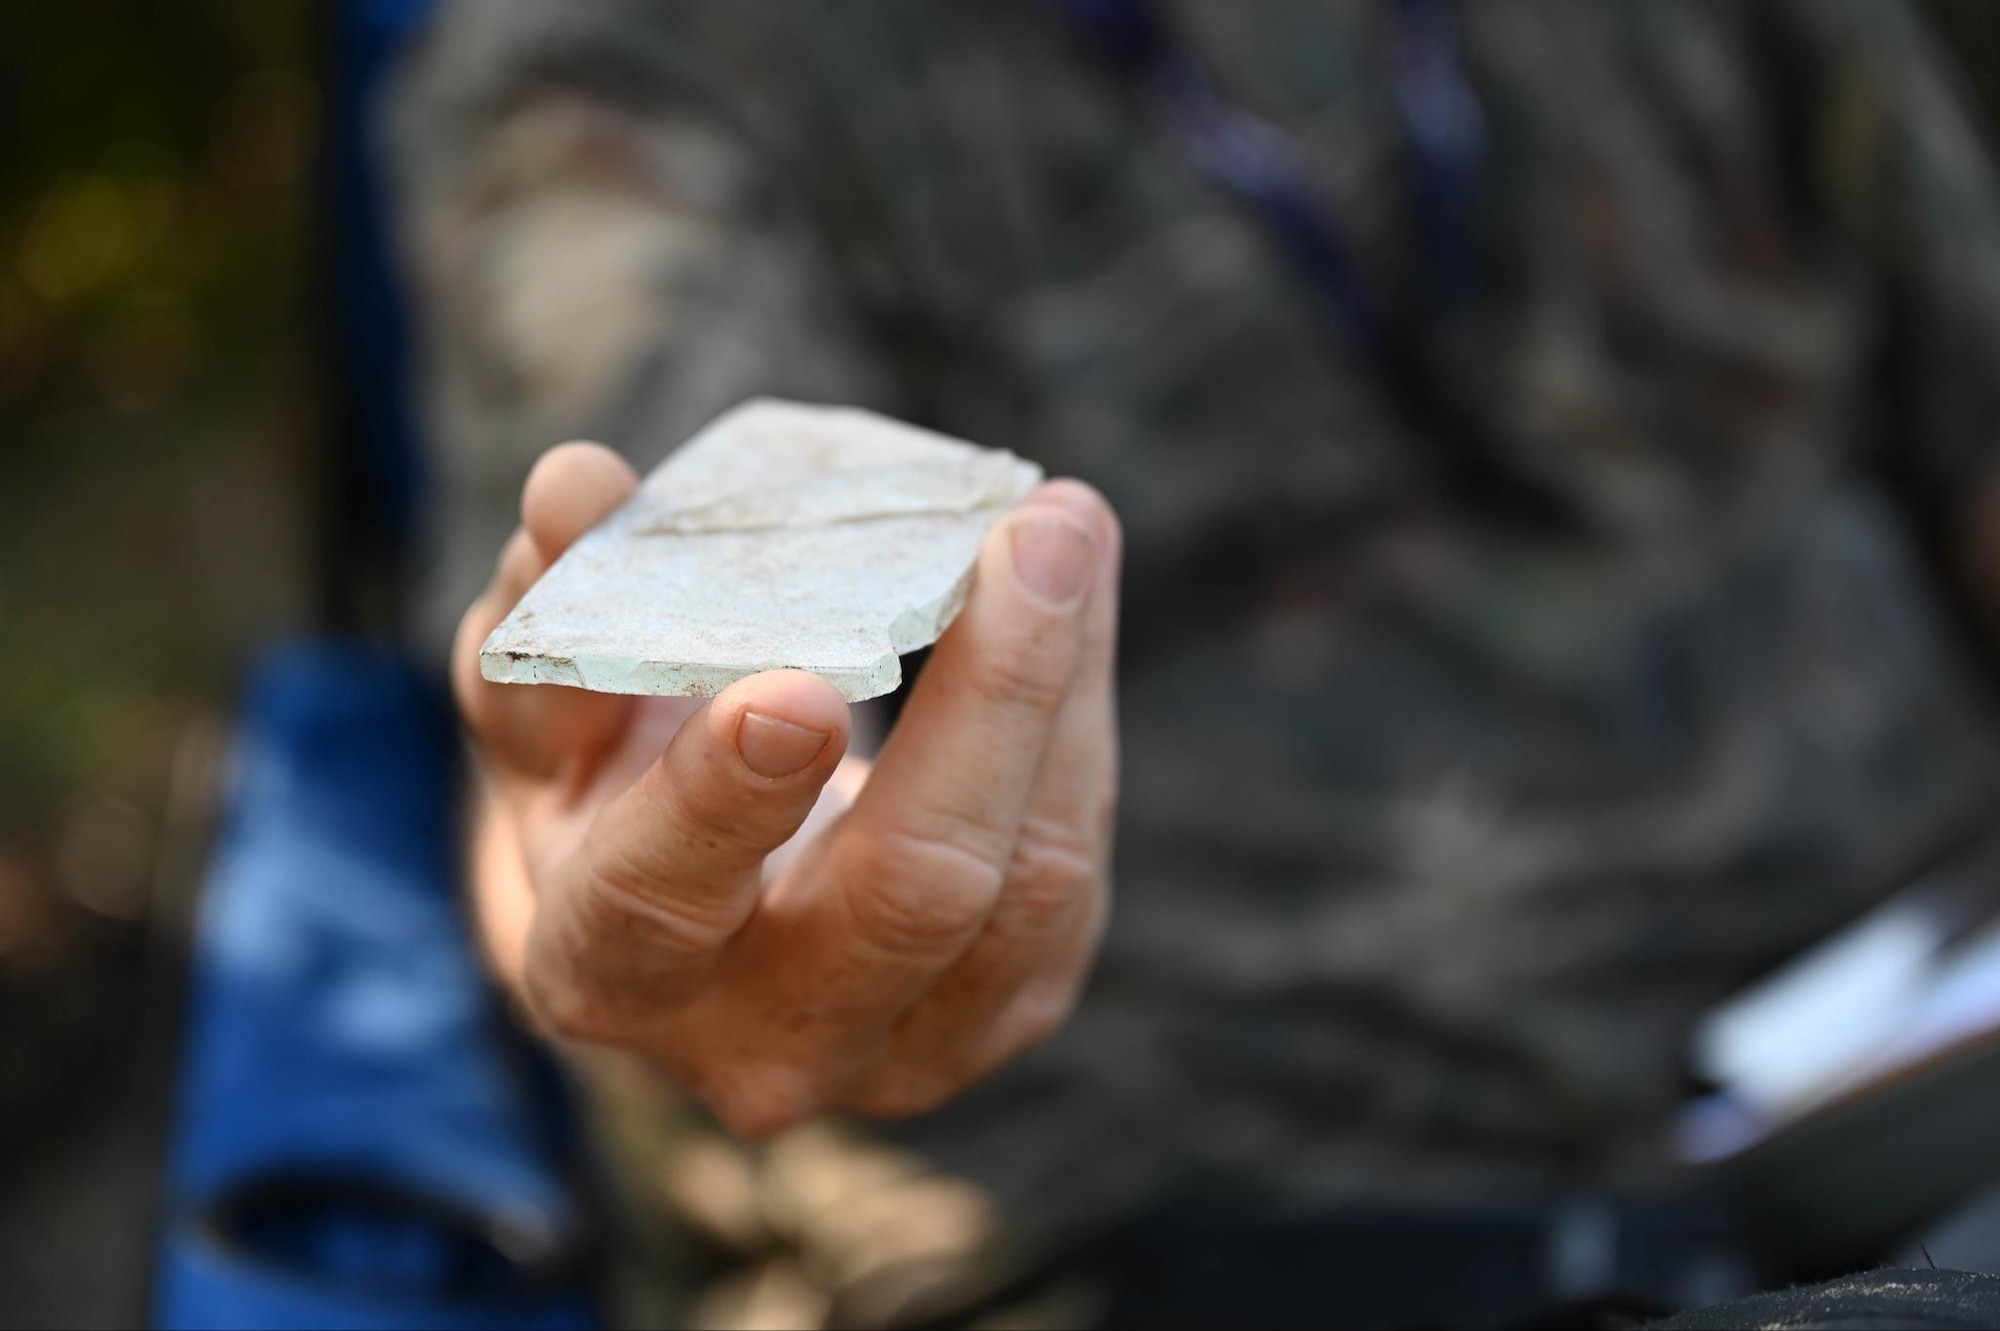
<point x="717" y="889"/>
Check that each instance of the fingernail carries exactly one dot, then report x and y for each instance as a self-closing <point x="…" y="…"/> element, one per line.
<point x="1054" y="561"/>
<point x="771" y="747"/>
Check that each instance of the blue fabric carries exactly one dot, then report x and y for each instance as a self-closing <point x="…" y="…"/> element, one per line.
<point x="343" y="1043"/>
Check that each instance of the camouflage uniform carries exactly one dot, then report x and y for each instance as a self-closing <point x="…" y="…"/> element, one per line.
<point x="1438" y="825"/>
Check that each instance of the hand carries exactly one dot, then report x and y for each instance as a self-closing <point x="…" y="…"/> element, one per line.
<point x="716" y="888"/>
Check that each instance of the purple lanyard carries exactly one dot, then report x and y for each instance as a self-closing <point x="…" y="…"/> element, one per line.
<point x="1257" y="162"/>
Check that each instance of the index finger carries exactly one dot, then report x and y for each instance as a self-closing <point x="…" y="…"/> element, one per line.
<point x="533" y="731"/>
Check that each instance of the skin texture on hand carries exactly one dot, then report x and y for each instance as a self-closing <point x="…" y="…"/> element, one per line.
<point x="717" y="888"/>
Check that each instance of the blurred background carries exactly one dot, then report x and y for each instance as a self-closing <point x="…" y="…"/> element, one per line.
<point x="164" y="458"/>
<point x="158" y="408"/>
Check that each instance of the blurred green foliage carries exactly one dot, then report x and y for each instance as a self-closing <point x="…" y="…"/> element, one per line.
<point x="157" y="403"/>
<point x="155" y="393"/>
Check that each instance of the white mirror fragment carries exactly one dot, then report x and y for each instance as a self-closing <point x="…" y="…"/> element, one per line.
<point x="818" y="538"/>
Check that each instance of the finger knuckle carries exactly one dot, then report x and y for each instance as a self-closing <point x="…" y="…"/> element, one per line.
<point x="571" y="1011"/>
<point x="907" y="1095"/>
<point x="628" y="901"/>
<point x="725" y="818"/>
<point x="763" y="1104"/>
<point x="1027" y="1024"/>
<point x="1036" y="1016"/>
<point x="1054" y="865"/>
<point x="1023" y="672"/>
<point x="915" y="893"/>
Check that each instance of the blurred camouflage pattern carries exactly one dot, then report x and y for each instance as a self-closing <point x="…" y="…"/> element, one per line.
<point x="1439" y="824"/>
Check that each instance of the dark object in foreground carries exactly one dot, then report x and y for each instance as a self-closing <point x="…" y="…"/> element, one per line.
<point x="1890" y="1297"/>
